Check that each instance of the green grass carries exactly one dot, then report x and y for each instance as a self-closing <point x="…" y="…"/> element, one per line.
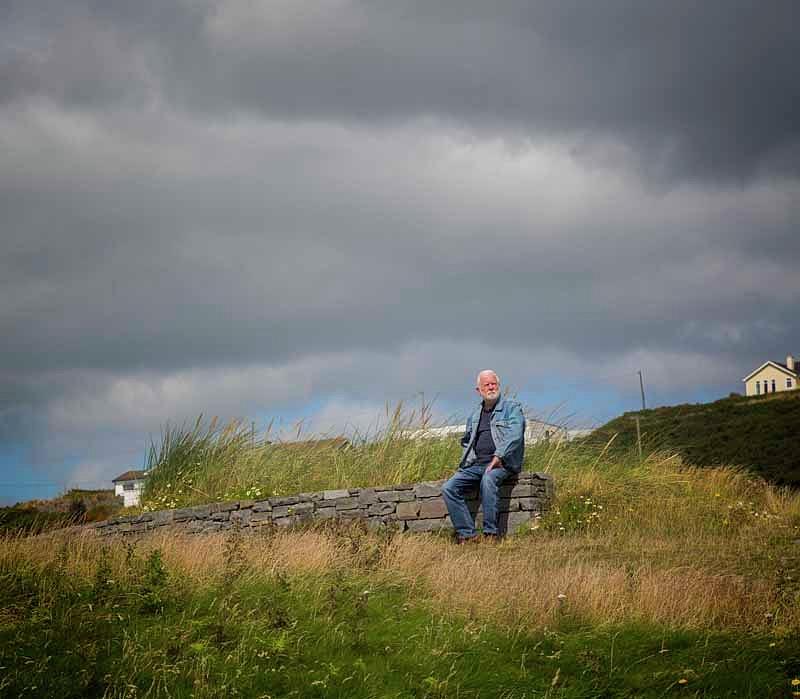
<point x="76" y="506"/>
<point x="150" y="631"/>
<point x="202" y="462"/>
<point x="759" y="433"/>
<point x="23" y="520"/>
<point x="645" y="579"/>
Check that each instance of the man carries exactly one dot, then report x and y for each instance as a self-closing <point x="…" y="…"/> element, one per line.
<point x="494" y="445"/>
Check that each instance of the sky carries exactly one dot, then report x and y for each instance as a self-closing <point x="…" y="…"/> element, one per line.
<point x="288" y="211"/>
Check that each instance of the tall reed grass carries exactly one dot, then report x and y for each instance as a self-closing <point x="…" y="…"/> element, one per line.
<point x="201" y="462"/>
<point x="625" y="539"/>
<point x="665" y="556"/>
<point x="631" y="551"/>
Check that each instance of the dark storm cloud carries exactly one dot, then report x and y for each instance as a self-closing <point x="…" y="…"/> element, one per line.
<point x="701" y="89"/>
<point x="233" y="206"/>
<point x="230" y="251"/>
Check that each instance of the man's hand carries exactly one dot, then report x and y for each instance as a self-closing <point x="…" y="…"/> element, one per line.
<point x="496" y="462"/>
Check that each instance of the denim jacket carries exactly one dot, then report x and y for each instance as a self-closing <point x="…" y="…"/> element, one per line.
<point x="508" y="433"/>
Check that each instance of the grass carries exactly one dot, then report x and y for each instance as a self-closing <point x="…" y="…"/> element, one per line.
<point x="198" y="463"/>
<point x="72" y="508"/>
<point x="344" y="613"/>
<point x="645" y="579"/>
<point x="28" y="521"/>
<point x="758" y="433"/>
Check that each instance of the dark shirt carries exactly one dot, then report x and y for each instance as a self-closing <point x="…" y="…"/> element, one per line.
<point x="484" y="444"/>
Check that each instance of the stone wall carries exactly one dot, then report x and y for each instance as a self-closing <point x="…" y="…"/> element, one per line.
<point x="416" y="507"/>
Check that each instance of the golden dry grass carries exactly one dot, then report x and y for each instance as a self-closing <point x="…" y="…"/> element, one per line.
<point x="529" y="583"/>
<point x="709" y="549"/>
<point x="535" y="582"/>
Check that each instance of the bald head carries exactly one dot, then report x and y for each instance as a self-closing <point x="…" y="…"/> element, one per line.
<point x="488" y="386"/>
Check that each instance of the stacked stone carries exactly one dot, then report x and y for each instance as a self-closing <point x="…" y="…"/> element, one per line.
<point x="415" y="507"/>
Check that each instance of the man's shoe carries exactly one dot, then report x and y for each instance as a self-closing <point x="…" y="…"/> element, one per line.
<point x="467" y="539"/>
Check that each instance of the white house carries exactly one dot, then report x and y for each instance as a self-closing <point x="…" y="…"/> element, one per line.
<point x="535" y="431"/>
<point x="130" y="485"/>
<point x="772" y="377"/>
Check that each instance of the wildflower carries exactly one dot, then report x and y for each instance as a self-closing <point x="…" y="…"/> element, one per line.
<point x="682" y="680"/>
<point x="795" y="682"/>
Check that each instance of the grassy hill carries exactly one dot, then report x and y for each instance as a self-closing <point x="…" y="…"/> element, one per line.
<point x="76" y="506"/>
<point x="759" y="433"/>
<point x="646" y="579"/>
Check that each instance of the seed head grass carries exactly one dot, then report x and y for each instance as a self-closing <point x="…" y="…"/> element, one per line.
<point x="202" y="462"/>
<point x="633" y="561"/>
<point x="654" y="542"/>
<point x="625" y="539"/>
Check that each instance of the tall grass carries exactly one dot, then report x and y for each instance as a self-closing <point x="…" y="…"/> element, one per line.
<point x="198" y="463"/>
<point x="625" y="539"/>
<point x="645" y="578"/>
<point x="757" y="433"/>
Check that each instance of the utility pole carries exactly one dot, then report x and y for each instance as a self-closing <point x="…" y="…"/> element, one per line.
<point x="638" y="426"/>
<point x="641" y="387"/>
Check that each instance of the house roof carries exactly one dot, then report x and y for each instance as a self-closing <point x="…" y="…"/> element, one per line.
<point x="322" y="443"/>
<point x="780" y="367"/>
<point x="130" y="476"/>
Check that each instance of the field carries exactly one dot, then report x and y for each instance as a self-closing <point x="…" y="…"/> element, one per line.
<point x="645" y="579"/>
<point x="758" y="433"/>
<point x="73" y="507"/>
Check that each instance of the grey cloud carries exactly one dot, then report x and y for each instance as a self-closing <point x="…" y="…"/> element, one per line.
<point x="250" y="257"/>
<point x="704" y="91"/>
<point x="346" y="200"/>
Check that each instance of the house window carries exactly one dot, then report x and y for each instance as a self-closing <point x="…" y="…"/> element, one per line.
<point x="788" y="382"/>
<point x="773" y="385"/>
<point x="127" y="486"/>
<point x="758" y="388"/>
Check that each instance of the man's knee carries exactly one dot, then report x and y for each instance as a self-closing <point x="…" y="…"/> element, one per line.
<point x="493" y="479"/>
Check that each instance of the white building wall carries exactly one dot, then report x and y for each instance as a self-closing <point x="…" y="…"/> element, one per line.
<point x="762" y="382"/>
<point x="131" y="495"/>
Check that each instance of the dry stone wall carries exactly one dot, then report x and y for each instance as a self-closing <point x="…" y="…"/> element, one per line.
<point x="415" y="507"/>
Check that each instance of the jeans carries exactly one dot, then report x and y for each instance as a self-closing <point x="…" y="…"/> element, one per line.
<point x="463" y="482"/>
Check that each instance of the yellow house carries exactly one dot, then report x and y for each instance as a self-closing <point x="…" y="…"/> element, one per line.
<point x="772" y="377"/>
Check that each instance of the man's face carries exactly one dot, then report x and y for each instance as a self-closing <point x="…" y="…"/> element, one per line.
<point x="489" y="387"/>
